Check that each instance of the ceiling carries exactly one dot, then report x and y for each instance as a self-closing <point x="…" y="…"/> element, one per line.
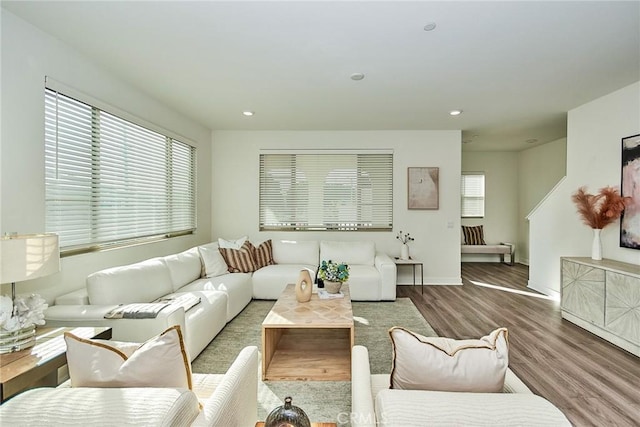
<point x="514" y="68"/>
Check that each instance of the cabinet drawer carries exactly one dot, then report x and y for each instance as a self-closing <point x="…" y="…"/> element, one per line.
<point x="622" y="310"/>
<point x="583" y="291"/>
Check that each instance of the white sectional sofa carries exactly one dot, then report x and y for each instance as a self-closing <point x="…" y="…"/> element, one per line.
<point x="372" y="274"/>
<point x="374" y="404"/>
<point x="222" y="296"/>
<point x="229" y="399"/>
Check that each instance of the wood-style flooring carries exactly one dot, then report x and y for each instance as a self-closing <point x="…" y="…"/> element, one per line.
<point x="592" y="381"/>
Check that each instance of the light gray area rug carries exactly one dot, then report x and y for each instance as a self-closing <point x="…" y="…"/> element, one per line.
<point x="323" y="401"/>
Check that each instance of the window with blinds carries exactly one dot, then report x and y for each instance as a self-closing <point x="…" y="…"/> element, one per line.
<point x="109" y="181"/>
<point x="326" y="190"/>
<point x="472" y="195"/>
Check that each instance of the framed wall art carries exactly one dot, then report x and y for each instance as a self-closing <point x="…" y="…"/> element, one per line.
<point x="630" y="187"/>
<point x="423" y="187"/>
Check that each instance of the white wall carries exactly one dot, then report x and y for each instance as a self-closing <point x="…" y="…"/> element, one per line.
<point x="28" y="55"/>
<point x="234" y="211"/>
<point x="501" y="198"/>
<point x="540" y="168"/>
<point x="594" y="136"/>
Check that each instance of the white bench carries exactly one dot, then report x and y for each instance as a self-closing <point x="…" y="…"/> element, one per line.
<point x="495" y="249"/>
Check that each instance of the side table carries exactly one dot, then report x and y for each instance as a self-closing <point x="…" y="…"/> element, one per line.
<point x="413" y="263"/>
<point x="38" y="366"/>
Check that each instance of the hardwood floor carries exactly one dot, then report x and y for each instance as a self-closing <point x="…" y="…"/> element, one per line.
<point x="592" y="381"/>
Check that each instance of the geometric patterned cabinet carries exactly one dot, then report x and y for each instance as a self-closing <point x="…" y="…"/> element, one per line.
<point x="603" y="297"/>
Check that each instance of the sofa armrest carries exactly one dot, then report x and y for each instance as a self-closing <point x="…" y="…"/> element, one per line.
<point x="78" y="297"/>
<point x="362" y="407"/>
<point x="235" y="400"/>
<point x="133" y="330"/>
<point x="387" y="269"/>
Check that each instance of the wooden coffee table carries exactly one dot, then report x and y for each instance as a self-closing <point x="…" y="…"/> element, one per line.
<point x="308" y="341"/>
<point x="37" y="366"/>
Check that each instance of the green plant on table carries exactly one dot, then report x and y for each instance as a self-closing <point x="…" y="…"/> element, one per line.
<point x="333" y="272"/>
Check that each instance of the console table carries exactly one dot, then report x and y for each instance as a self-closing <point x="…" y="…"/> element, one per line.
<point x="603" y="297"/>
<point x="38" y="366"/>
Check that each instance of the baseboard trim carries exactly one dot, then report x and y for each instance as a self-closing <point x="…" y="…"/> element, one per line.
<point x="544" y="290"/>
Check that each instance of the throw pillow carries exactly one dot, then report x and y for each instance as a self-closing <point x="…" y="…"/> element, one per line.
<point x="239" y="260"/>
<point x="445" y="364"/>
<point x="212" y="261"/>
<point x="473" y="235"/>
<point x="263" y="254"/>
<point x="232" y="244"/>
<point x="160" y="362"/>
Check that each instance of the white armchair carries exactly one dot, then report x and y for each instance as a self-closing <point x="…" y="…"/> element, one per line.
<point x="229" y="399"/>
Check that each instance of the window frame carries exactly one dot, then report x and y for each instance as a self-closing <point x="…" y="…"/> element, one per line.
<point x="365" y="200"/>
<point x="176" y="169"/>
<point x="464" y="197"/>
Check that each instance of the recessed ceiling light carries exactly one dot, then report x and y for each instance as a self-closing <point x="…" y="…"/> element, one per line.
<point x="455" y="112"/>
<point x="430" y="26"/>
<point x="248" y="113"/>
<point x="357" y="76"/>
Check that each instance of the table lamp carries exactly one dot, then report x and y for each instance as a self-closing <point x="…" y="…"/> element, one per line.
<point x="24" y="257"/>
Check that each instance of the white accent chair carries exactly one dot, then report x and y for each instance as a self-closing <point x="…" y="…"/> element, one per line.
<point x="373" y="404"/>
<point x="229" y="399"/>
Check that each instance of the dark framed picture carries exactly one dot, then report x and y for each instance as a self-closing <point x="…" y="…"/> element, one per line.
<point x="630" y="187"/>
<point x="423" y="186"/>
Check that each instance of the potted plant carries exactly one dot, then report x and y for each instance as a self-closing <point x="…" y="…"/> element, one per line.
<point x="333" y="275"/>
<point x="405" y="238"/>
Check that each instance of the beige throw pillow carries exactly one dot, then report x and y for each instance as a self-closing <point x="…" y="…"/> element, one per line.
<point x="212" y="261"/>
<point x="445" y="364"/>
<point x="160" y="362"/>
<point x="232" y="244"/>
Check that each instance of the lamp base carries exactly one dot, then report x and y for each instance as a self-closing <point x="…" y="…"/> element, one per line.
<point x="17" y="340"/>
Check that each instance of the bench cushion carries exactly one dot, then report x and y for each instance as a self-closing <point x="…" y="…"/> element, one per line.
<point x="486" y="249"/>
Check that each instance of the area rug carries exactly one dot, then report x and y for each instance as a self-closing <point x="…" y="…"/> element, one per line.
<point x="323" y="401"/>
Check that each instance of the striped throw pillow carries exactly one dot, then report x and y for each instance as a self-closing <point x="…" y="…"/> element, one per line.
<point x="263" y="254"/>
<point x="473" y="235"/>
<point x="239" y="260"/>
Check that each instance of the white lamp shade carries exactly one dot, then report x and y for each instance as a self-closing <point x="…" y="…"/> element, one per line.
<point x="29" y="256"/>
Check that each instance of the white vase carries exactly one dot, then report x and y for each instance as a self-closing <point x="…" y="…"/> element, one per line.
<point x="596" y="246"/>
<point x="404" y="251"/>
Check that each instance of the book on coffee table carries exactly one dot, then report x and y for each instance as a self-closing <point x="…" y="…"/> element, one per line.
<point x="323" y="294"/>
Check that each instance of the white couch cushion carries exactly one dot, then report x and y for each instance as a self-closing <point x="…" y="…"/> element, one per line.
<point x="270" y="281"/>
<point x="364" y="283"/>
<point x="159" y="362"/>
<point x="205" y="320"/>
<point x="445" y="364"/>
<point x="237" y="286"/>
<point x="101" y="406"/>
<point x="142" y="282"/>
<point x="295" y="252"/>
<point x="363" y="253"/>
<point x="184" y="267"/>
<point x="433" y="408"/>
<point x="212" y="260"/>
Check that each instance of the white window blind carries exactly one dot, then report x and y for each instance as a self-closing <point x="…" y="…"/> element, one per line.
<point x="110" y="181"/>
<point x="326" y="191"/>
<point x="472" y="202"/>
